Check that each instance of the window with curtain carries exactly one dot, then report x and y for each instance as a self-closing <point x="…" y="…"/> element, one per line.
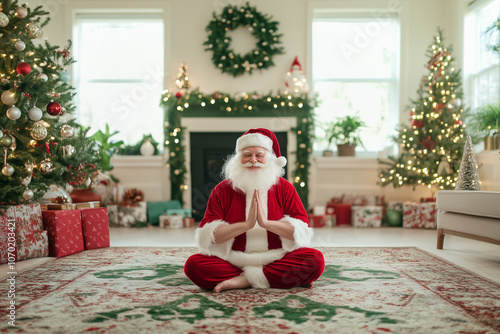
<point x="119" y="73"/>
<point x="355" y="71"/>
<point x="481" y="63"/>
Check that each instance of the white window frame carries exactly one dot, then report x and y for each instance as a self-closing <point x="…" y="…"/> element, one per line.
<point x="317" y="10"/>
<point x="473" y="74"/>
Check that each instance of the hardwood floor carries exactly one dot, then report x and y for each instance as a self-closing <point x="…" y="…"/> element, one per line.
<point x="479" y="257"/>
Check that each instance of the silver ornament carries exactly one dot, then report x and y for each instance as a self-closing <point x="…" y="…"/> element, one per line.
<point x="67" y="131"/>
<point x="13" y="113"/>
<point x="4" y="20"/>
<point x="21" y="12"/>
<point x="46" y="166"/>
<point x="19" y="45"/>
<point x="7" y="170"/>
<point x="8" y="97"/>
<point x="43" y="77"/>
<point x="35" y="114"/>
<point x="69" y="149"/>
<point x="28" y="194"/>
<point x="38" y="131"/>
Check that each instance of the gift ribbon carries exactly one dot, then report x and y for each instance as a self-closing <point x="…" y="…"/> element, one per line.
<point x="46" y="145"/>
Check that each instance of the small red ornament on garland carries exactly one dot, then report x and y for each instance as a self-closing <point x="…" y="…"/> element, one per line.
<point x="178" y="95"/>
<point x="417" y="123"/>
<point x="53" y="108"/>
<point x="23" y="68"/>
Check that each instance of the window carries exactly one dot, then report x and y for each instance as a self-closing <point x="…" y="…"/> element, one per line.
<point x="481" y="63"/>
<point x="355" y="62"/>
<point x="119" y="73"/>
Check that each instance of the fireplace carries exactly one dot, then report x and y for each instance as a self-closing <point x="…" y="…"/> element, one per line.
<point x="208" y="142"/>
<point x="209" y="151"/>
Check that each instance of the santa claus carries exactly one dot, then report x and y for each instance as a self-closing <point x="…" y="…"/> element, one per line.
<point x="255" y="231"/>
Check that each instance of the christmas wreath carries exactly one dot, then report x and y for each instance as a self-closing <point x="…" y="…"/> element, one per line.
<point x="259" y="25"/>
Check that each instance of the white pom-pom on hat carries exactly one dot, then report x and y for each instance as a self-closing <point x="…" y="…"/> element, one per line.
<point x="281" y="161"/>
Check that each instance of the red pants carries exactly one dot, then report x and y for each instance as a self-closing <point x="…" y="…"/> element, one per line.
<point x="299" y="267"/>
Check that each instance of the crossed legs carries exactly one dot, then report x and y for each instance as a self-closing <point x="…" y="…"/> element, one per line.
<point x="298" y="268"/>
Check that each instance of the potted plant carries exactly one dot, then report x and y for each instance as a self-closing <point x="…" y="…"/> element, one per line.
<point x="107" y="149"/>
<point x="345" y="132"/>
<point x="485" y="123"/>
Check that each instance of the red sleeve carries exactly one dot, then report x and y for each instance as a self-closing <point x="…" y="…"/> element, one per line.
<point x="292" y="202"/>
<point x="215" y="205"/>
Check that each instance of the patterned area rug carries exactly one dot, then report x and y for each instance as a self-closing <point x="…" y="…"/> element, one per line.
<point x="144" y="290"/>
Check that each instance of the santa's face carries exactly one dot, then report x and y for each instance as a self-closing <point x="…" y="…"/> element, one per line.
<point x="253" y="157"/>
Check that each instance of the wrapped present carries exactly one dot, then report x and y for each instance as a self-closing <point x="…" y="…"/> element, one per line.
<point x="331" y="220"/>
<point x="188" y="222"/>
<point x="419" y="215"/>
<point x="155" y="209"/>
<point x="113" y="215"/>
<point x="95" y="227"/>
<point x="366" y="216"/>
<point x="132" y="216"/>
<point x="35" y="244"/>
<point x="362" y="200"/>
<point x="185" y="213"/>
<point x="57" y="206"/>
<point x="64" y="229"/>
<point x="427" y="199"/>
<point x="173" y="221"/>
<point x="317" y="221"/>
<point x="8" y="249"/>
<point x="343" y="214"/>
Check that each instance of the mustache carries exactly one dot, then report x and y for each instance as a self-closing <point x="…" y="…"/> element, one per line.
<point x="249" y="164"/>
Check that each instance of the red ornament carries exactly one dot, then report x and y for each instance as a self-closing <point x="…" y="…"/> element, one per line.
<point x="439" y="107"/>
<point x="178" y="95"/>
<point x="23" y="68"/>
<point x="417" y="123"/>
<point x="427" y="143"/>
<point x="54" y="108"/>
<point x="459" y="122"/>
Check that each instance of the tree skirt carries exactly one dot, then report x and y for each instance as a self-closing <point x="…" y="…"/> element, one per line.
<point x="363" y="290"/>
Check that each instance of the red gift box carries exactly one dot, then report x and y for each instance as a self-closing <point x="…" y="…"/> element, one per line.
<point x="35" y="244"/>
<point x="317" y="220"/>
<point x="188" y="222"/>
<point x="343" y="214"/>
<point x="95" y="227"/>
<point x="64" y="229"/>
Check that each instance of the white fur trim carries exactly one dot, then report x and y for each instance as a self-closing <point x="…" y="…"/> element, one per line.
<point x="241" y="259"/>
<point x="254" y="139"/>
<point x="281" y="161"/>
<point x="256" y="277"/>
<point x="302" y="234"/>
<point x="204" y="236"/>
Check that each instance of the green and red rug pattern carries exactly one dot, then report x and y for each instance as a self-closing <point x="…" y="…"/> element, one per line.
<point x="144" y="290"/>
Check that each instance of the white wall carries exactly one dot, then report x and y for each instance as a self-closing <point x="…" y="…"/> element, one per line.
<point x="185" y="33"/>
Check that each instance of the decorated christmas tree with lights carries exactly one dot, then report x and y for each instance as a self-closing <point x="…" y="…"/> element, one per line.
<point x="431" y="147"/>
<point x="40" y="142"/>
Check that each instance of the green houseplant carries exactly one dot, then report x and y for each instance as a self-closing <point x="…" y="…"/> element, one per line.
<point x="107" y="148"/>
<point x="485" y="124"/>
<point x="345" y="132"/>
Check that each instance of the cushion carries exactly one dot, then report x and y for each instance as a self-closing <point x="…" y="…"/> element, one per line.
<point x="476" y="203"/>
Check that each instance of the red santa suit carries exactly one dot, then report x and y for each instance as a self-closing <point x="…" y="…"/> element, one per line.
<point x="266" y="259"/>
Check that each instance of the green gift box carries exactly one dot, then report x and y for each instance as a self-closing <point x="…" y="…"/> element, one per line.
<point x="156" y="209"/>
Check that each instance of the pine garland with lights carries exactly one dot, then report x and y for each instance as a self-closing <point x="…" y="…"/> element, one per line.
<point x="259" y="26"/>
<point x="197" y="104"/>
<point x="431" y="147"/>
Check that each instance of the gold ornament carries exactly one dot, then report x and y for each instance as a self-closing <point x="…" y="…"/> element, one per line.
<point x="67" y="131"/>
<point x="38" y="131"/>
<point x="33" y="30"/>
<point x="46" y="166"/>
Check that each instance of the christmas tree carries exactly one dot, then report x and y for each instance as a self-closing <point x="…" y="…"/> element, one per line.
<point x="40" y="142"/>
<point x="431" y="147"/>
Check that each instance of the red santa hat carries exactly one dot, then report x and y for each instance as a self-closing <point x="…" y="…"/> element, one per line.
<point x="263" y="138"/>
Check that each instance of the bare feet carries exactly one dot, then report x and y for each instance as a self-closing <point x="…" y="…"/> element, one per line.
<point x="238" y="282"/>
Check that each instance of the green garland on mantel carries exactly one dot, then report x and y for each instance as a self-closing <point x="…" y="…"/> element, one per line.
<point x="196" y="104"/>
<point x="258" y="24"/>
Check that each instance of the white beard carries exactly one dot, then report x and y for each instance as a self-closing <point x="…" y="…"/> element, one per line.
<point x="246" y="179"/>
